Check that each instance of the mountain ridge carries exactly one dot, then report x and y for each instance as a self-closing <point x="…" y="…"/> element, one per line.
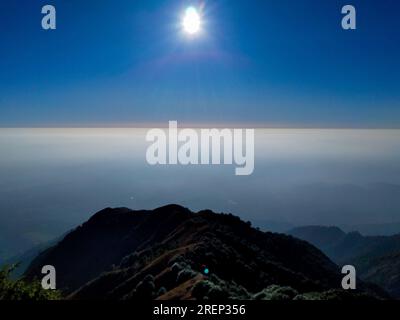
<point x="125" y="254"/>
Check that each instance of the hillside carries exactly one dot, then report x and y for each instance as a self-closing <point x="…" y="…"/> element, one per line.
<point x="384" y="271"/>
<point x="125" y="254"/>
<point x="322" y="237"/>
<point x="376" y="258"/>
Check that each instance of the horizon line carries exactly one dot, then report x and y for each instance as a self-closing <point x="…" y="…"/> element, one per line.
<point x="200" y="125"/>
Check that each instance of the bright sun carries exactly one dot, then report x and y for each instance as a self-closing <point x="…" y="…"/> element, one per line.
<point x="191" y="22"/>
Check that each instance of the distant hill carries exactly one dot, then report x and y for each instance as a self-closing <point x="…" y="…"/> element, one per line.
<point x="367" y="253"/>
<point x="381" y="229"/>
<point x="272" y="225"/>
<point x="162" y="253"/>
<point x="322" y="237"/>
<point x="22" y="261"/>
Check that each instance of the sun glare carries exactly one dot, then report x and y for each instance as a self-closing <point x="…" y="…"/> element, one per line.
<point x="191" y="22"/>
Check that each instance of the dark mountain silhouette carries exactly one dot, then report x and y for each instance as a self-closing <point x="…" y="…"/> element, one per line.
<point x="125" y="254"/>
<point x="376" y="229"/>
<point x="321" y="237"/>
<point x="376" y="258"/>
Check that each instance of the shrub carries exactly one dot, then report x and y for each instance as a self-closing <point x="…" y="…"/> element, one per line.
<point x="23" y="290"/>
<point x="217" y="293"/>
<point x="201" y="289"/>
<point x="275" y="292"/>
<point x="185" y="274"/>
<point x="161" y="291"/>
<point x="145" y="288"/>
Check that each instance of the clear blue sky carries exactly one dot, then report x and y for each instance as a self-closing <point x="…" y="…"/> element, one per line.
<point x="272" y="62"/>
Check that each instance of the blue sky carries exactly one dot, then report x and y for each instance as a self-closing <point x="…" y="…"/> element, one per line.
<point x="270" y="62"/>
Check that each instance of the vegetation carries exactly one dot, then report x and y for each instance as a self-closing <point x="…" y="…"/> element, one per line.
<point x="21" y="289"/>
<point x="161" y="254"/>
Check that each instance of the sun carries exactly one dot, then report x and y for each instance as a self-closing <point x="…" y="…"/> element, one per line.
<point x="191" y="21"/>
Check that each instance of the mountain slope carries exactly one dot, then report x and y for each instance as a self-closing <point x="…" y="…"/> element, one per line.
<point x="385" y="272"/>
<point x="125" y="254"/>
<point x="321" y="237"/>
<point x="376" y="258"/>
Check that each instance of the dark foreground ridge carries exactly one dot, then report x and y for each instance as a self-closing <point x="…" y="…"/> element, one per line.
<point x="162" y="253"/>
